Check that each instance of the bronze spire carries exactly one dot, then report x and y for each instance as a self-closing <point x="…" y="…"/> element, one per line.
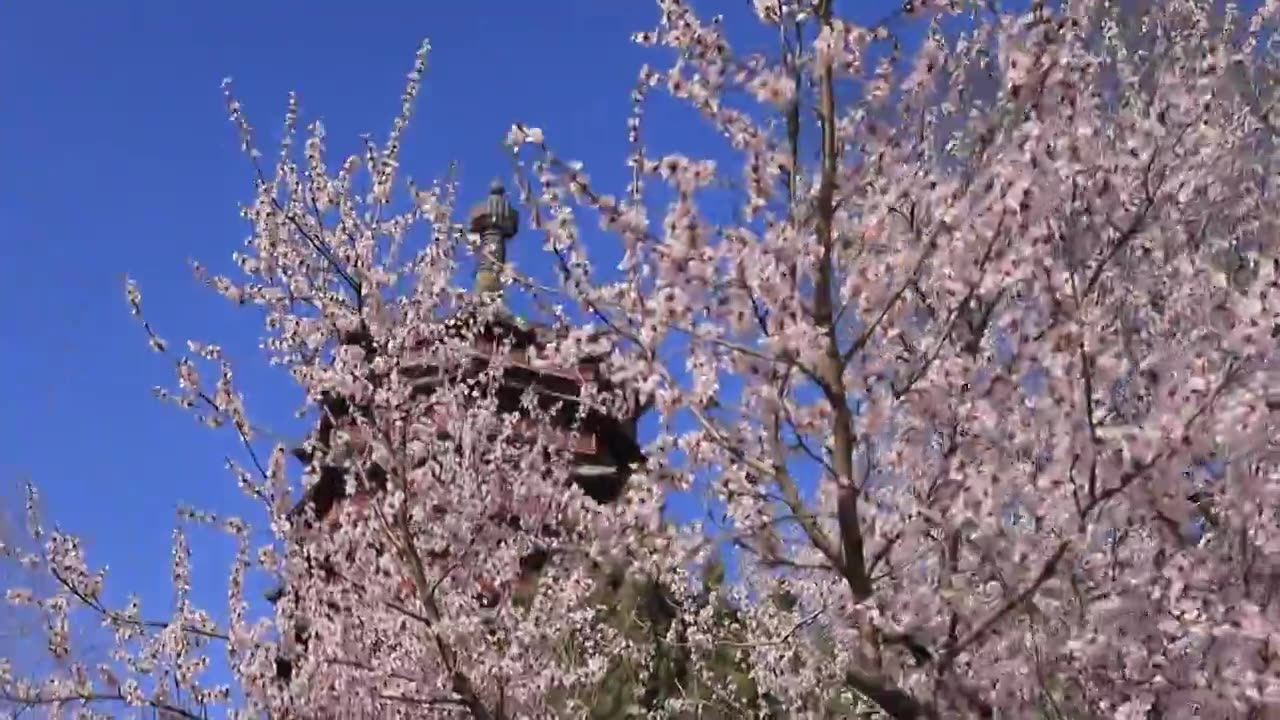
<point x="496" y="222"/>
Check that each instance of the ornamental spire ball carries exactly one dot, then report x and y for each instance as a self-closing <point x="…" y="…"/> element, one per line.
<point x="496" y="222"/>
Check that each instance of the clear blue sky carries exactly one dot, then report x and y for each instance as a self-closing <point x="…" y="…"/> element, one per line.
<point x="118" y="158"/>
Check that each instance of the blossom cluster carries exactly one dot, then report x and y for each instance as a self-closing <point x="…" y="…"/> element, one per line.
<point x="977" y="387"/>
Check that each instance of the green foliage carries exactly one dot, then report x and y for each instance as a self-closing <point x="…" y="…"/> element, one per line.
<point x="676" y="681"/>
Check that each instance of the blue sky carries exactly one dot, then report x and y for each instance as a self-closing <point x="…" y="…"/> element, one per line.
<point x="119" y="160"/>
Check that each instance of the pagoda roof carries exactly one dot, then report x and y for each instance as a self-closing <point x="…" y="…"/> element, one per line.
<point x="616" y="434"/>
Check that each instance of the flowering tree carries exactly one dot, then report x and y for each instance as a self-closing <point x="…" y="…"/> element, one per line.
<point x="976" y="381"/>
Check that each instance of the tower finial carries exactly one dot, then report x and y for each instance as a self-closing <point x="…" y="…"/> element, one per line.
<point x="496" y="222"/>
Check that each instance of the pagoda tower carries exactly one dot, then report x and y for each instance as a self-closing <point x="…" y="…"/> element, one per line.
<point x="603" y="444"/>
<point x="604" y="448"/>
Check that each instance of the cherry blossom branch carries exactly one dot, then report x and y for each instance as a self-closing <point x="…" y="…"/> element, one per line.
<point x="778" y="472"/>
<point x="92" y="697"/>
<point x="1139" y="469"/>
<point x="953" y="315"/>
<point x="1086" y="367"/>
<point x="869" y="331"/>
<point x="425" y="701"/>
<point x="239" y="422"/>
<point x="1252" y="97"/>
<point x="1049" y="567"/>
<point x="896" y="703"/>
<point x="782" y="639"/>
<point x="236" y="113"/>
<point x="1047" y="571"/>
<point x="830" y="368"/>
<point x="117" y="617"/>
<point x="89" y="599"/>
<point x="790" y="491"/>
<point x="462" y="684"/>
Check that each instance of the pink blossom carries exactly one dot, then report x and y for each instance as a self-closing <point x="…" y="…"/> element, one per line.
<point x="977" y="384"/>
